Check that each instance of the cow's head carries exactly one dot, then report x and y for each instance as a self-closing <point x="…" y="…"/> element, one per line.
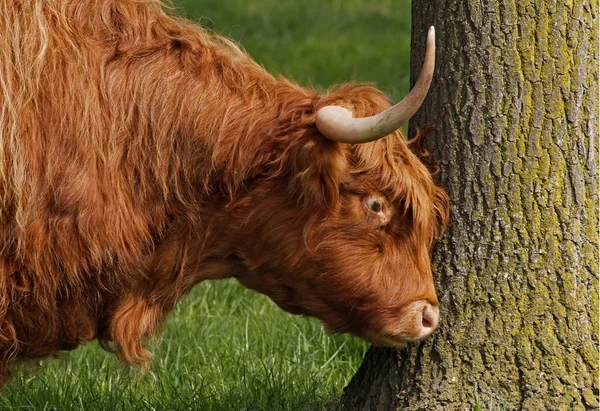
<point x="343" y="230"/>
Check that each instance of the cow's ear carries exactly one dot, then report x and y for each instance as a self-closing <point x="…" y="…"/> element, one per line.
<point x="318" y="165"/>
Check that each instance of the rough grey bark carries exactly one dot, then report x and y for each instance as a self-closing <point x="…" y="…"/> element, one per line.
<point x="515" y="95"/>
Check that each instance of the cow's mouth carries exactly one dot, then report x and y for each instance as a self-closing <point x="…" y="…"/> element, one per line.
<point x="419" y="320"/>
<point x="386" y="340"/>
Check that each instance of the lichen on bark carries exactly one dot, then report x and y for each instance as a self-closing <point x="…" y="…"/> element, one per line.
<point x="515" y="95"/>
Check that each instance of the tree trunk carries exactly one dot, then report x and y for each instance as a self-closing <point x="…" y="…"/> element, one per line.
<point x="515" y="95"/>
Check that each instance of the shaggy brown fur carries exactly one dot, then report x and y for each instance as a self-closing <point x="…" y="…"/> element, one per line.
<point x="140" y="155"/>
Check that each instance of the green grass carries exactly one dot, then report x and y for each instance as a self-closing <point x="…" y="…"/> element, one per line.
<point x="224" y="347"/>
<point x="318" y="42"/>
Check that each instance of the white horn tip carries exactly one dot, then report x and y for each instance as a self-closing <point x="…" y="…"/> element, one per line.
<point x="333" y="113"/>
<point x="332" y="121"/>
<point x="431" y="34"/>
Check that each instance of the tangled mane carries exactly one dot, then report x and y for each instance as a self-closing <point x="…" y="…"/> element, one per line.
<point x="118" y="122"/>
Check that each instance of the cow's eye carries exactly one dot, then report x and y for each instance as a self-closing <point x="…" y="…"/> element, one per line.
<point x="374" y="204"/>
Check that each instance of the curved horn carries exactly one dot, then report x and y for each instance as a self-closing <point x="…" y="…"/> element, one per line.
<point x="336" y="123"/>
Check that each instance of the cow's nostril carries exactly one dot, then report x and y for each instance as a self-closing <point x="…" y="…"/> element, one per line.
<point x="429" y="318"/>
<point x="426" y="321"/>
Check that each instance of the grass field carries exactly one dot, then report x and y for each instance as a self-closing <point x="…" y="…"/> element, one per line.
<point x="224" y="347"/>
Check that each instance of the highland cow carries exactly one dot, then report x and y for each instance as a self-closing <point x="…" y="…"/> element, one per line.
<point x="141" y="154"/>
